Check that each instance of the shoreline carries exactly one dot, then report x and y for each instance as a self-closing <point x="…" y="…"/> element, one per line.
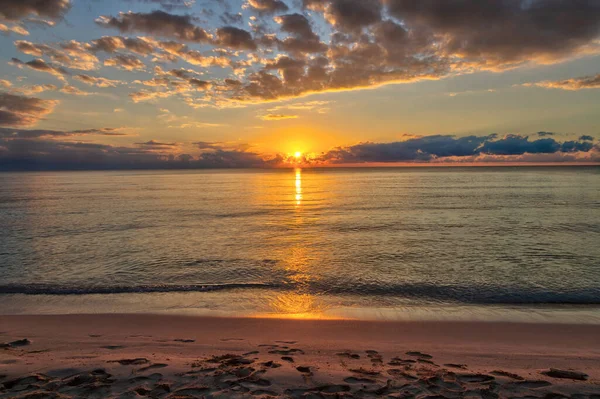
<point x="333" y="352"/>
<point x="246" y="304"/>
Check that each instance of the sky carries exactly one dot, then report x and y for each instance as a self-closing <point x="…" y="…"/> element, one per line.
<point x="117" y="84"/>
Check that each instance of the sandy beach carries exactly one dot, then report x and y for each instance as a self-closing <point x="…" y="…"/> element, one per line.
<point x="158" y="356"/>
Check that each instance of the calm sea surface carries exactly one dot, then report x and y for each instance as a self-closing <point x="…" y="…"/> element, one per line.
<point x="491" y="243"/>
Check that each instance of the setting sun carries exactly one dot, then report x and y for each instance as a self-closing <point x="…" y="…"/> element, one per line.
<point x="298" y="154"/>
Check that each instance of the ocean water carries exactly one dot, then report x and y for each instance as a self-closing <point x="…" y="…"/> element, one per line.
<point x="454" y="243"/>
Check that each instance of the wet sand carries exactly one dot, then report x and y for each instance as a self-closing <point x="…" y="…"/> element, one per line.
<point x="159" y="356"/>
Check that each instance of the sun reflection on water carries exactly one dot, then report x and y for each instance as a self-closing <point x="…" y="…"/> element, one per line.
<point x="298" y="259"/>
<point x="298" y="187"/>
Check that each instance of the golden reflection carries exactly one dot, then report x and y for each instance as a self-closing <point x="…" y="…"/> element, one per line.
<point x="298" y="187"/>
<point x="297" y="305"/>
<point x="299" y="255"/>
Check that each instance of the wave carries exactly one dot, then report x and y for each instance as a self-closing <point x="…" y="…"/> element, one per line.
<point x="420" y="293"/>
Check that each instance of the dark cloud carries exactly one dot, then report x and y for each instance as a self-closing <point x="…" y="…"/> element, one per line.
<point x="351" y="15"/>
<point x="168" y="5"/>
<point x="18" y="110"/>
<point x="235" y="38"/>
<point x="71" y="54"/>
<point x="46" y="149"/>
<point x="10" y="133"/>
<point x="157" y="145"/>
<point x="230" y="18"/>
<point x="499" y="32"/>
<point x="125" y="61"/>
<point x="545" y="134"/>
<point x="97" y="81"/>
<point x="431" y="148"/>
<point x="13" y="10"/>
<point x="110" y="44"/>
<point x="41" y="66"/>
<point x="157" y="23"/>
<point x="586" y="138"/>
<point x="38" y="153"/>
<point x="302" y="38"/>
<point x="268" y="6"/>
<point x="26" y="154"/>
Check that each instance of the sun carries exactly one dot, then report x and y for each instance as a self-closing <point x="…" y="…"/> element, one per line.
<point x="298" y="154"/>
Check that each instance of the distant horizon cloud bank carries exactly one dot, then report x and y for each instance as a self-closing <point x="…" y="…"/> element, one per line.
<point x="22" y="149"/>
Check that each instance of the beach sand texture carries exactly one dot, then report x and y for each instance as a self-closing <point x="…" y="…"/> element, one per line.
<point x="158" y="356"/>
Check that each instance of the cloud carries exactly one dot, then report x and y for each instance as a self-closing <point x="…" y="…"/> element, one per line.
<point x="127" y="62"/>
<point x="110" y="44"/>
<point x="14" y="29"/>
<point x="277" y="117"/>
<point x="68" y="89"/>
<point x="268" y="6"/>
<point x="157" y="23"/>
<point x="5" y="83"/>
<point x="33" y="89"/>
<point x="435" y="148"/>
<point x="44" y="150"/>
<point x="351" y="15"/>
<point x="157" y="145"/>
<point x="47" y="149"/>
<point x="587" y="82"/>
<point x="97" y="81"/>
<point x="302" y="39"/>
<point x="41" y="66"/>
<point x="235" y="38"/>
<point x="16" y="110"/>
<point x="13" y="10"/>
<point x="168" y="5"/>
<point x="545" y="134"/>
<point x="333" y="45"/>
<point x="586" y="138"/>
<point x="499" y="33"/>
<point x="10" y="133"/>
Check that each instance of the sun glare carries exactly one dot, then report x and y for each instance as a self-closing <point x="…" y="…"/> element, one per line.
<point x="298" y="154"/>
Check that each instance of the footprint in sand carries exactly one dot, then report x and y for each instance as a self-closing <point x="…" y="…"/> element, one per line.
<point x="531" y="384"/>
<point x="349" y="355"/>
<point x="251" y="353"/>
<point x="271" y="364"/>
<point x="359" y="380"/>
<point x="456" y="366"/>
<point x="187" y="341"/>
<point x="153" y="366"/>
<point x="287" y="359"/>
<point x="419" y="354"/>
<point x="401" y="373"/>
<point x="474" y="378"/>
<point x="230" y="339"/>
<point x="502" y="373"/>
<point x="128" y="362"/>
<point x="286" y="351"/>
<point x="112" y="347"/>
<point x="16" y="344"/>
<point x="263" y="392"/>
<point x="568" y="374"/>
<point x="364" y="371"/>
<point x="304" y="370"/>
<point x="287" y="342"/>
<point x="327" y="389"/>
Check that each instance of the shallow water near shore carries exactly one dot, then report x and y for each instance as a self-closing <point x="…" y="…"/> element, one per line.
<point x="400" y="243"/>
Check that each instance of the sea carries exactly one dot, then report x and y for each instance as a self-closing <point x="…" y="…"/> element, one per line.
<point x="423" y="243"/>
